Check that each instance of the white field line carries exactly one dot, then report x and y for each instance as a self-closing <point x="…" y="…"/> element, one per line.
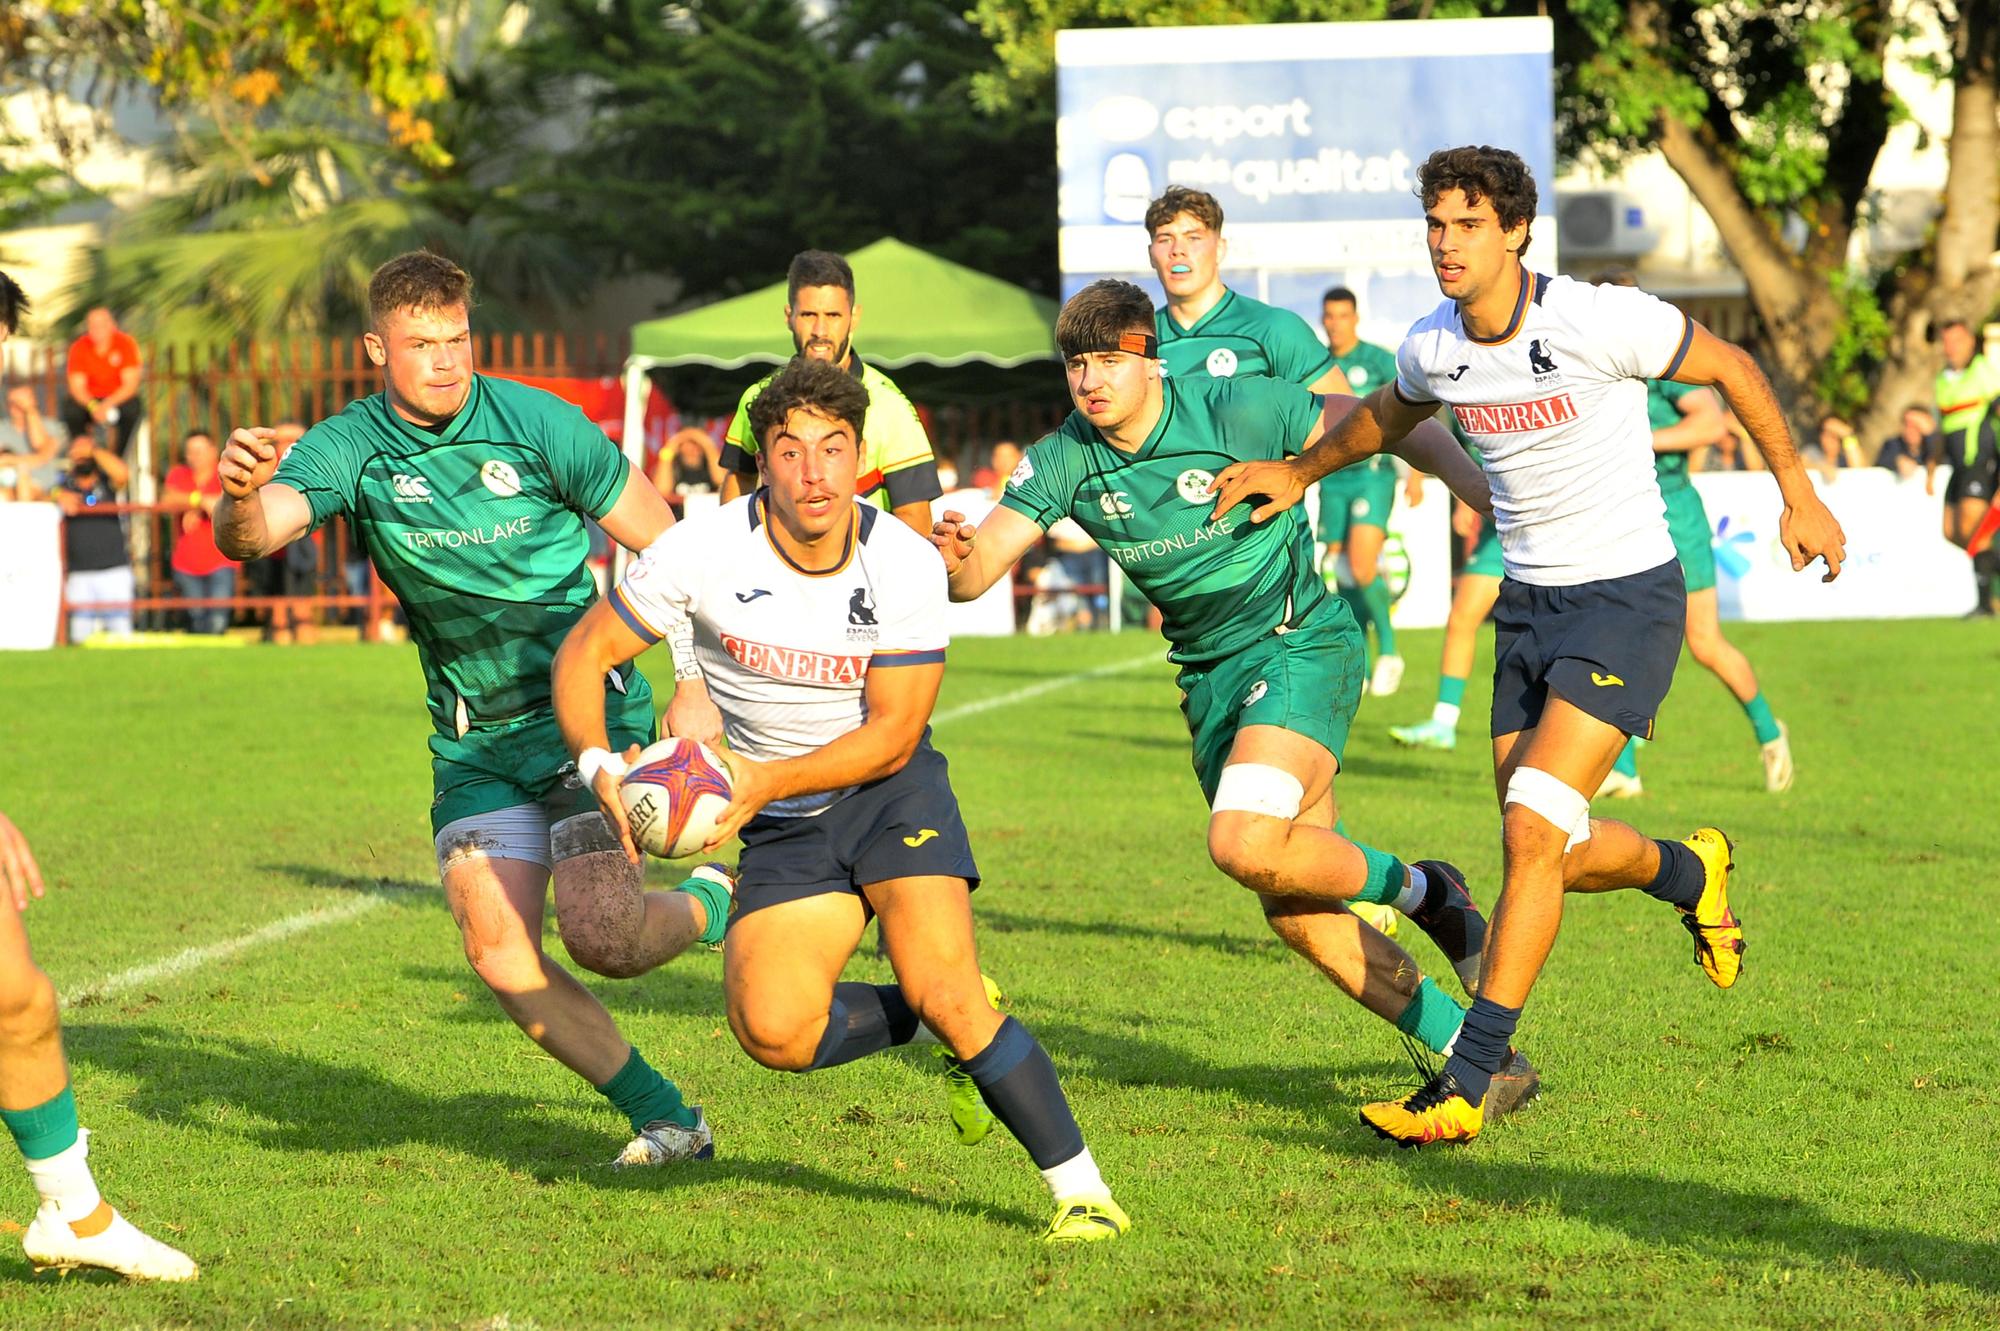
<point x="964" y="710"/>
<point x="192" y="959"/>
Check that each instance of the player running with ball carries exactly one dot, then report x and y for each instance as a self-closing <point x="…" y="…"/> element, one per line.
<point x="1547" y="377"/>
<point x="819" y="633"/>
<point x="1271" y="661"/>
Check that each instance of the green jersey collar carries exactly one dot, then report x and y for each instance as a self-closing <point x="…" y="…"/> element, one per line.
<point x="1176" y="332"/>
<point x="454" y="428"/>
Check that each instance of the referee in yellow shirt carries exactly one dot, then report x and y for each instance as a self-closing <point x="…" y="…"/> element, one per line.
<point x="898" y="471"/>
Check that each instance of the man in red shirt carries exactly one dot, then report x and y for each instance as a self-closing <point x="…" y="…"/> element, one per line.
<point x="200" y="570"/>
<point x="103" y="381"/>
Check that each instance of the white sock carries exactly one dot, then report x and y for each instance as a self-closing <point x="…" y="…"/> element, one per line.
<point x="64" y="1180"/>
<point x="1445" y="714"/>
<point x="1075" y="1177"/>
<point x="1411" y="898"/>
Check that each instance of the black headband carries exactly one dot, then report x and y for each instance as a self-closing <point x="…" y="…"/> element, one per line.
<point x="1137" y="344"/>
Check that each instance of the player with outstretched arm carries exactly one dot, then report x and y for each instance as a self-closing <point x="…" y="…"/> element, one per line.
<point x="1270" y="660"/>
<point x="1547" y="377"/>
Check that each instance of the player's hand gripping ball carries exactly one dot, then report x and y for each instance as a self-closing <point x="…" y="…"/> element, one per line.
<point x="674" y="796"/>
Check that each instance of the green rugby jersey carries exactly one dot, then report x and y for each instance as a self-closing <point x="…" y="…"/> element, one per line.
<point x="1367" y="368"/>
<point x="478" y="529"/>
<point x="1241" y="336"/>
<point x="1219" y="585"/>
<point x="1662" y="410"/>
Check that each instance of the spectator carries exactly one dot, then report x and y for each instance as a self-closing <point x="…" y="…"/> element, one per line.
<point x="200" y="570"/>
<point x="103" y="381"/>
<point x="1005" y="456"/>
<point x="31" y="445"/>
<point x="1919" y="442"/>
<point x="1836" y="447"/>
<point x="690" y="464"/>
<point x="100" y="569"/>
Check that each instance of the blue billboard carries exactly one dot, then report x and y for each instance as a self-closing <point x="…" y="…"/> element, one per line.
<point x="1309" y="135"/>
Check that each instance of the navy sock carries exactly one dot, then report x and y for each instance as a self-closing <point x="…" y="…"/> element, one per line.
<point x="1018" y="1083"/>
<point x="1681" y="877"/>
<point x="1482" y="1046"/>
<point x="863" y="1019"/>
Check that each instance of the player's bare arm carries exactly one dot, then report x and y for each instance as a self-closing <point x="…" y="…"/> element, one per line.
<point x="1350" y="431"/>
<point x="640" y="514"/>
<point x="1429" y="447"/>
<point x="600" y="642"/>
<point x="975" y="565"/>
<point x="1700" y="425"/>
<point x="900" y="700"/>
<point x="1807" y="528"/>
<point x="256" y="517"/>
<point x="635" y="522"/>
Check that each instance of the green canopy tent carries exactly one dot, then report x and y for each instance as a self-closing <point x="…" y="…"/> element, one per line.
<point x="945" y="333"/>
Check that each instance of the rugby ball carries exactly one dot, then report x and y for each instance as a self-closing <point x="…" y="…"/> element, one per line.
<point x="674" y="796"/>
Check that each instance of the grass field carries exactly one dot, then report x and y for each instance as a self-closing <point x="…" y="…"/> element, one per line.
<point x="336" y="1121"/>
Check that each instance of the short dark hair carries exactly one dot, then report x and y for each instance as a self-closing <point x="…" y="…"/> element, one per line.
<point x="1198" y="204"/>
<point x="812" y="385"/>
<point x="1616" y="276"/>
<point x="1492" y="174"/>
<point x="1938" y="330"/>
<point x="818" y="268"/>
<point x="13" y="304"/>
<point x="1097" y="316"/>
<point x="1921" y="409"/>
<point x="1339" y="294"/>
<point x="419" y="280"/>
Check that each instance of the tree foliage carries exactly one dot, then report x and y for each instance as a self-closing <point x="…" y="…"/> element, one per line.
<point x="288" y="246"/>
<point x="228" y="59"/>
<point x="720" y="137"/>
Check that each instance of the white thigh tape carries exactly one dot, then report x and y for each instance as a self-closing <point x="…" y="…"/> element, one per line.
<point x="1259" y="788"/>
<point x="1560" y="803"/>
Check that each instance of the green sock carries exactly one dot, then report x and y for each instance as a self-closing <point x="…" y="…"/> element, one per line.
<point x="1628" y="758"/>
<point x="1376" y="596"/>
<point x="1760" y="716"/>
<point x="1433" y="1016"/>
<point x="644" y="1096"/>
<point x="1451" y="690"/>
<point x="714" y="899"/>
<point x="1386" y="876"/>
<point x="47" y="1129"/>
<point x="1357" y="605"/>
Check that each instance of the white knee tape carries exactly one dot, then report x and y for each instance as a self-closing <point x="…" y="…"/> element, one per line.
<point x="1259" y="788"/>
<point x="1555" y="800"/>
<point x="520" y="832"/>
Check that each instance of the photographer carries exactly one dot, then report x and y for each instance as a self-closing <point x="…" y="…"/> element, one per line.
<point x="94" y="547"/>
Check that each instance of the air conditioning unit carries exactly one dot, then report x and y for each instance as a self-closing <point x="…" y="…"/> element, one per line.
<point x="1603" y="224"/>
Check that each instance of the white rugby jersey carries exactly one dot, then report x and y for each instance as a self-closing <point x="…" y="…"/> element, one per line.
<point x="1557" y="405"/>
<point x="785" y="652"/>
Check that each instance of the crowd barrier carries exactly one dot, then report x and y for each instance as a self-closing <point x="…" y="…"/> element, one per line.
<point x="1898" y="564"/>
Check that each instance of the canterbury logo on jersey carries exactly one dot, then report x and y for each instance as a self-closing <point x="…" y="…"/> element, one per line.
<point x="1516" y="417"/>
<point x="793" y="663"/>
<point x="410" y="489"/>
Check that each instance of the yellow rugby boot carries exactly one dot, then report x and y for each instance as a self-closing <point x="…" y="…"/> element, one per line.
<point x="1718" y="934"/>
<point x="1086" y="1220"/>
<point x="1438" y="1111"/>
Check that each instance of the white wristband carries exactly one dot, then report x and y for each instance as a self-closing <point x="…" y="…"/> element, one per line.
<point x="593" y="760"/>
